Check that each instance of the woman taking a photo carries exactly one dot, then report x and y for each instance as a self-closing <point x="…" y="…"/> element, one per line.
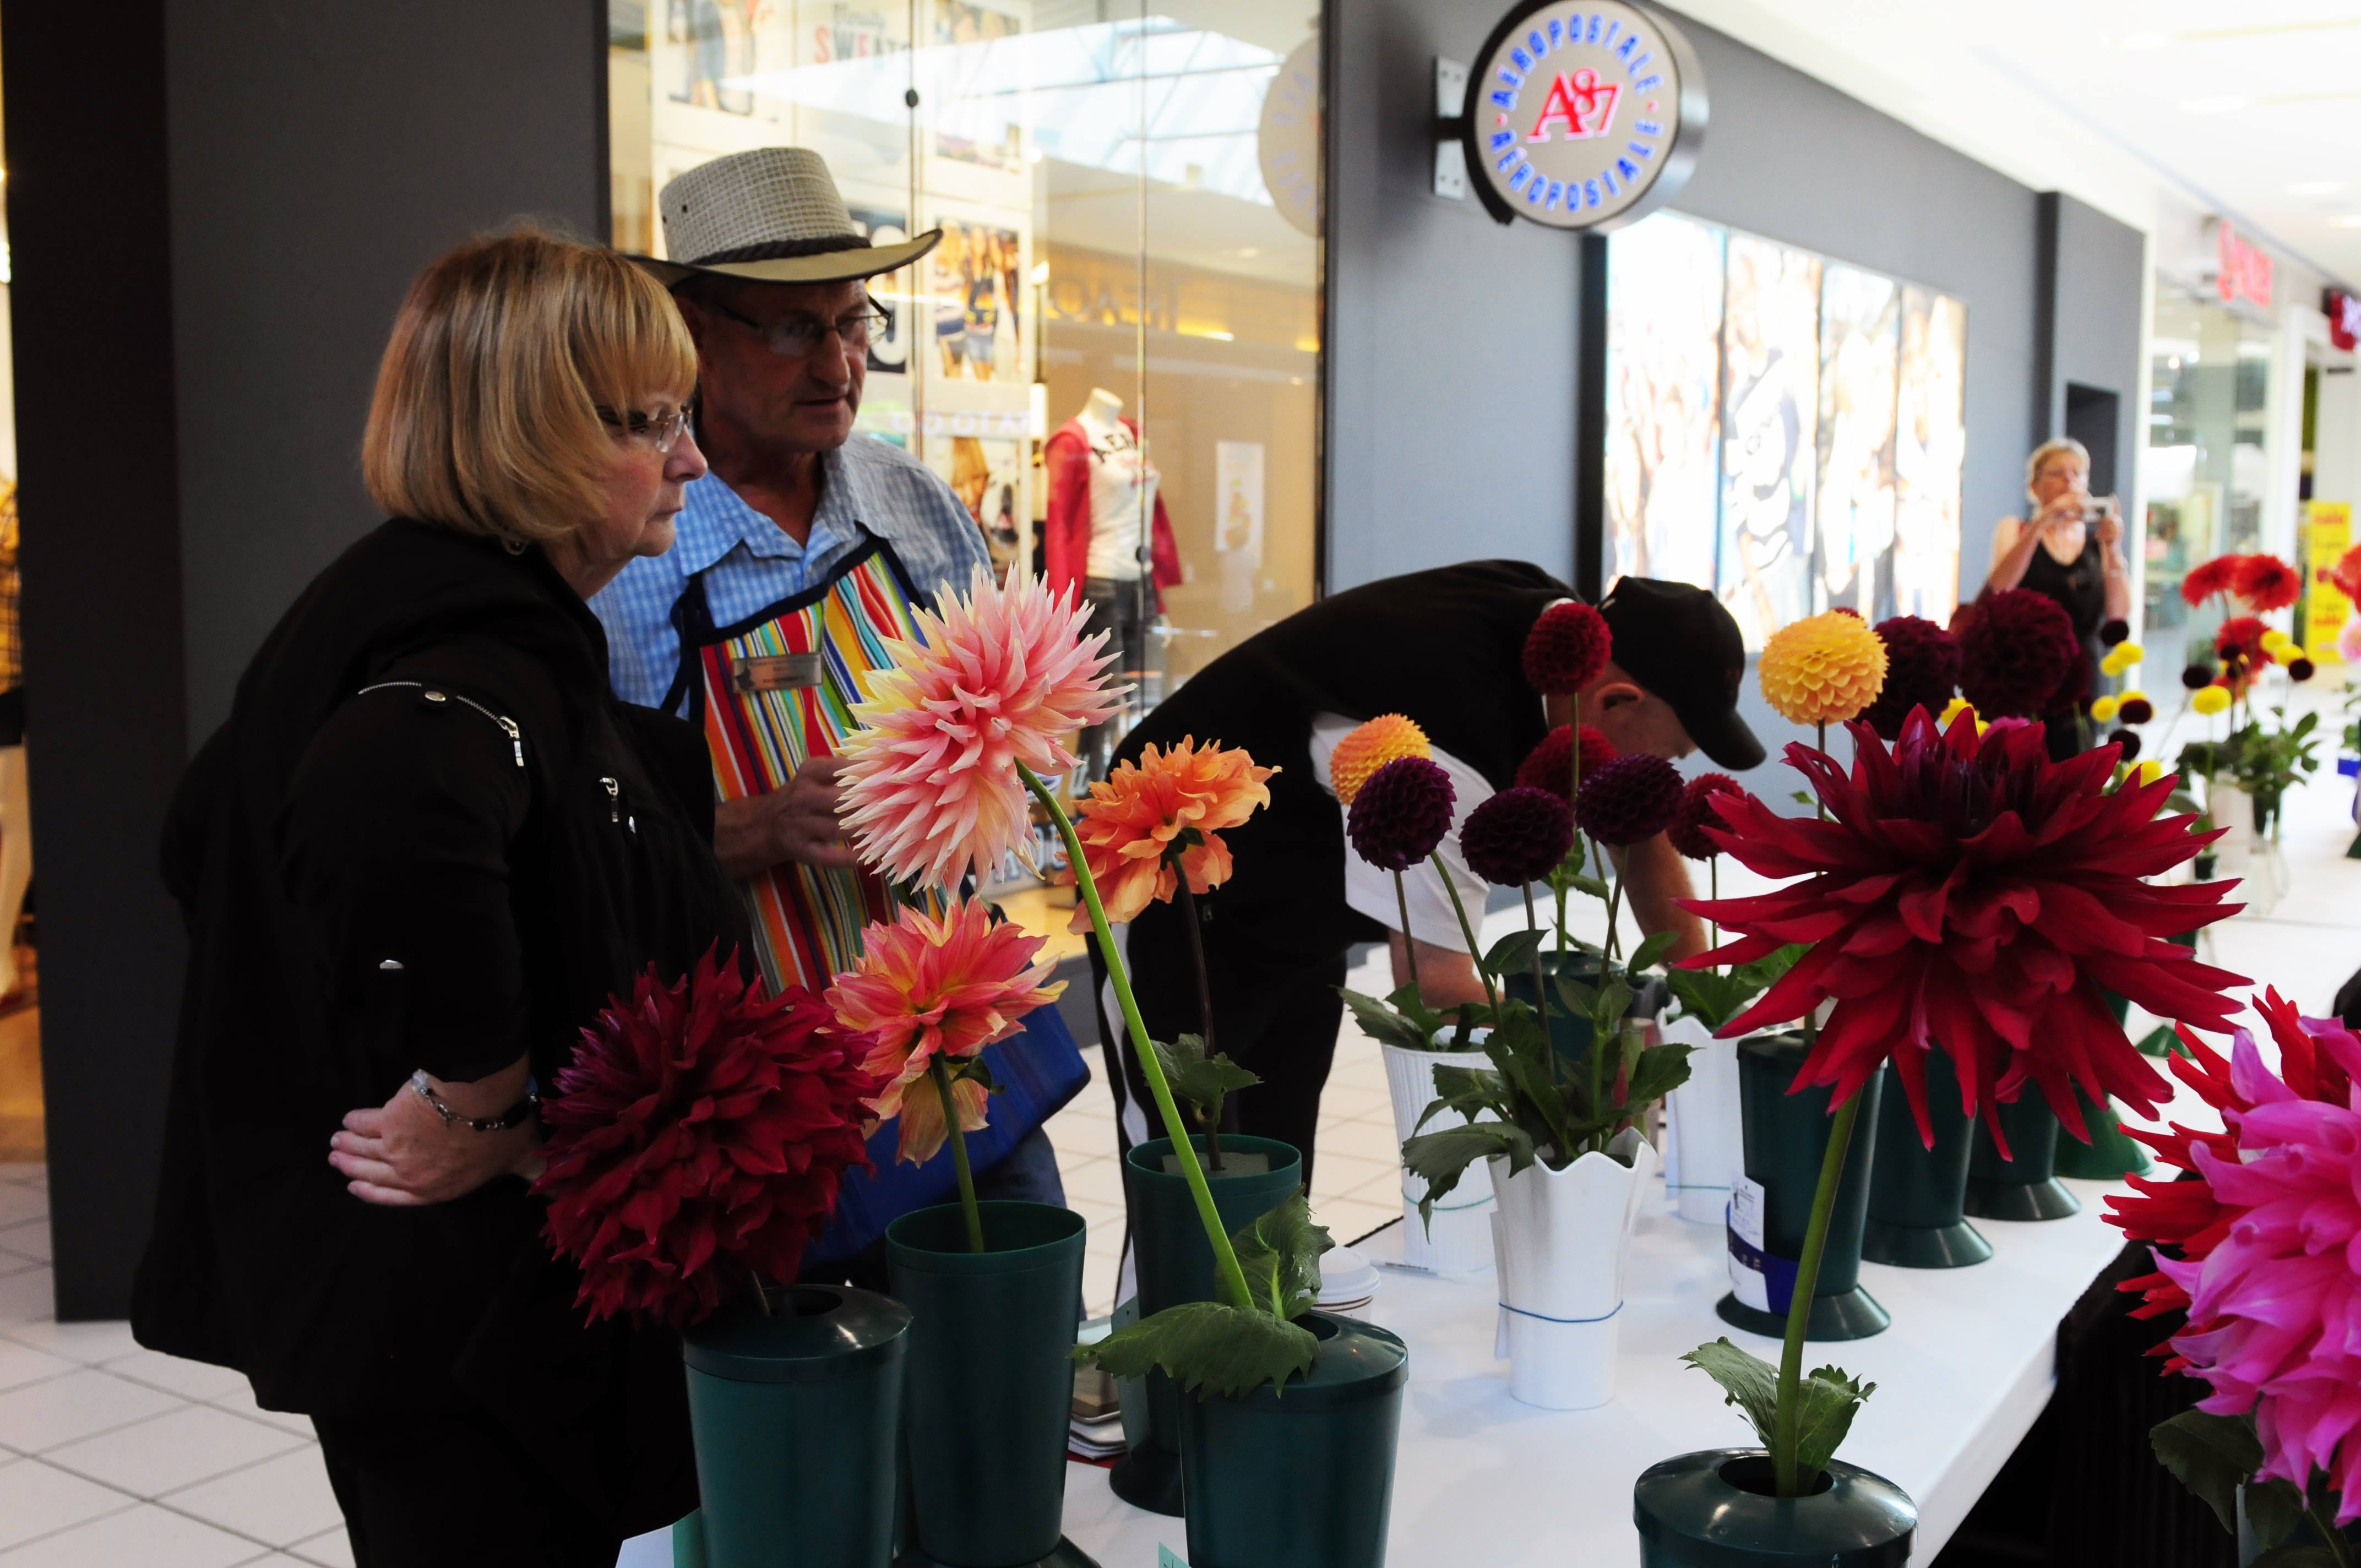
<point x="422" y="851"/>
<point x="2072" y="550"/>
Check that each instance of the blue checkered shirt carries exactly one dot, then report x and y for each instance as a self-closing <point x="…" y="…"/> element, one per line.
<point x="750" y="563"/>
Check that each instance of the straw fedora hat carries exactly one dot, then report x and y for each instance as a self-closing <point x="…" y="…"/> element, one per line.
<point x="772" y="215"/>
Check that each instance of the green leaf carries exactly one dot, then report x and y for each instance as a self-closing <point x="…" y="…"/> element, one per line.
<point x="1830" y="1398"/>
<point x="1614" y="1000"/>
<point x="975" y="1070"/>
<point x="1280" y="1254"/>
<point x="2274" y="1510"/>
<point x="1658" y="1070"/>
<point x="2212" y="1455"/>
<point x="1514" y="953"/>
<point x="1381" y="1022"/>
<point x="1589" y="885"/>
<point x="1201" y="1082"/>
<point x="1575" y="996"/>
<point x="1208" y="1346"/>
<point x="1442" y="1158"/>
<point x="1747" y="1381"/>
<point x="1648" y="953"/>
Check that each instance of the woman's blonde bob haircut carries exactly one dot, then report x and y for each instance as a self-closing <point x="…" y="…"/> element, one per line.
<point x="486" y="417"/>
<point x="2056" y="447"/>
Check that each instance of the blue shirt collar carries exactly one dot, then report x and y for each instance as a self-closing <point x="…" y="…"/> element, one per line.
<point x="715" y="520"/>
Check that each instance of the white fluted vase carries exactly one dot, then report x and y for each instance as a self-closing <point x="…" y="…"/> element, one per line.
<point x="1459" y="1240"/>
<point x="1562" y="1239"/>
<point x="1704" y="1134"/>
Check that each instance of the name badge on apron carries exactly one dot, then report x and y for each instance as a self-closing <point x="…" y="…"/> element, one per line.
<point x="775" y="673"/>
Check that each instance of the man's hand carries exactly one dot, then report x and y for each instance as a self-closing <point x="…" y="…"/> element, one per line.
<point x="797" y="823"/>
<point x="402" y="1155"/>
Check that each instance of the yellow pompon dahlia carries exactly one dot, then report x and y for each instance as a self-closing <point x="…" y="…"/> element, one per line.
<point x="2122" y="657"/>
<point x="1382" y="740"/>
<point x="1823" y="669"/>
<point x="1152" y="822"/>
<point x="2104" y="708"/>
<point x="2147" y="773"/>
<point x="2210" y="700"/>
<point x="1001" y="676"/>
<point x="2277" y="643"/>
<point x="1956" y="706"/>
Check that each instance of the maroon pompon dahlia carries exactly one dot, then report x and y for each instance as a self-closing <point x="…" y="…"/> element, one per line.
<point x="2016" y="652"/>
<point x="1550" y="765"/>
<point x="1698" y="814"/>
<point x="1922" y="670"/>
<point x="1632" y="799"/>
<point x="1519" y="836"/>
<point x="1402" y="812"/>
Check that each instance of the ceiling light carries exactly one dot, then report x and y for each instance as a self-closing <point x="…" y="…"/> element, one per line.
<point x="2349" y="220"/>
<point x="2316" y="188"/>
<point x="2225" y="105"/>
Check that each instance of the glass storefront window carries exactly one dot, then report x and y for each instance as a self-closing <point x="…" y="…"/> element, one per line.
<point x="1129" y="199"/>
<point x="2211" y="376"/>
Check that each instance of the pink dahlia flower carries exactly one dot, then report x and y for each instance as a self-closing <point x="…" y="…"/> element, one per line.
<point x="2277" y="1305"/>
<point x="999" y="677"/>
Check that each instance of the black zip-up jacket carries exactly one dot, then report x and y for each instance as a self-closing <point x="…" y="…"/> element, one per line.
<point x="427" y="836"/>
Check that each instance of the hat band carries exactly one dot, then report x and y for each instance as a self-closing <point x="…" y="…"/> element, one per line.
<point x="773" y="249"/>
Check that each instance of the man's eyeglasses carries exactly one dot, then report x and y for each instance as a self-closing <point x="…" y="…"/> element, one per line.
<point x="659" y="431"/>
<point x="798" y="336"/>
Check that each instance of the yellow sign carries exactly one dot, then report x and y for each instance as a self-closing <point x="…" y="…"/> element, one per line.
<point x="2328" y="534"/>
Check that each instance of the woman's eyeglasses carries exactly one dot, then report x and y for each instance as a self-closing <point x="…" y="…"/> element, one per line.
<point x="658" y="430"/>
<point x="798" y="336"/>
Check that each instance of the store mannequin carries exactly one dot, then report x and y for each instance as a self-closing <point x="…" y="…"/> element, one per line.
<point x="1109" y="536"/>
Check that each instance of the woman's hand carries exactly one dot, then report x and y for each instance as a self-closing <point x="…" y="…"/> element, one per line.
<point x="2108" y="530"/>
<point x="402" y="1155"/>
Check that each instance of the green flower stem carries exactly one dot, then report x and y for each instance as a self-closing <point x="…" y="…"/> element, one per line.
<point x="1228" y="1278"/>
<point x="1204" y="1006"/>
<point x="1614" y="903"/>
<point x="974" y="1216"/>
<point x="1410" y="944"/>
<point x="1787" y="1429"/>
<point x="1573" y="730"/>
<point x="1491" y="997"/>
<point x="1541" y="991"/>
<point x="2324" y="1521"/>
<point x="1713" y="891"/>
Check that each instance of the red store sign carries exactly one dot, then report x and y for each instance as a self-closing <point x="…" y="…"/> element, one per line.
<point x="2246" y="270"/>
<point x="2343" y="313"/>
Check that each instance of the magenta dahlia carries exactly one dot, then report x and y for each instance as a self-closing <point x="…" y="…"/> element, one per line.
<point x="1634" y="797"/>
<point x="1698" y="814"/>
<point x="1967" y="895"/>
<point x="2015" y="651"/>
<point x="1922" y="670"/>
<point x="1566" y="649"/>
<point x="1401" y="814"/>
<point x="699" y="1134"/>
<point x="1519" y="836"/>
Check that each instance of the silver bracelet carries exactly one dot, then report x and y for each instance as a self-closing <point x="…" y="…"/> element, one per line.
<point x="514" y="1116"/>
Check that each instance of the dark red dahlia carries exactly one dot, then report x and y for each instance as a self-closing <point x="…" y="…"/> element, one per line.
<point x="2114" y="631"/>
<point x="696" y="1138"/>
<point x="1402" y="813"/>
<point x="2196" y="678"/>
<point x="1550" y="765"/>
<point x="2137" y="711"/>
<point x="1632" y="799"/>
<point x="2216" y="577"/>
<point x="2265" y="583"/>
<point x="2014" y="652"/>
<point x="1519" y="836"/>
<point x="1566" y="649"/>
<point x="1968" y="894"/>
<point x="2239" y="641"/>
<point x="2128" y="744"/>
<point x="1922" y="670"/>
<point x="2301" y="669"/>
<point x="1697" y="813"/>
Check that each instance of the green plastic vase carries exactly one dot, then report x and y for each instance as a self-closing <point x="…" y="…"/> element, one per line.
<point x="1175" y="1264"/>
<point x="988" y="1395"/>
<point x="1714" y="1509"/>
<point x="1915" y="1192"/>
<point x="1569" y="1032"/>
<point x="1301" y="1477"/>
<point x="2025" y="1186"/>
<point x="795" y="1417"/>
<point x="1786" y="1137"/>
<point x="2111" y="1153"/>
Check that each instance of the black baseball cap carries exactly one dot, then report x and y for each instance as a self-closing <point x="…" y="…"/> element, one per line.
<point x="1678" y="641"/>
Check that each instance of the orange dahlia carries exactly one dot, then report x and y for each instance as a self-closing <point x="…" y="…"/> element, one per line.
<point x="927" y="988"/>
<point x="1153" y="821"/>
<point x="1371" y="746"/>
<point x="1822" y="669"/>
<point x="997" y="680"/>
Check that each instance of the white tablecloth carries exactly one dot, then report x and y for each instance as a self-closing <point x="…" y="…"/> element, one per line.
<point x="1960" y="1375"/>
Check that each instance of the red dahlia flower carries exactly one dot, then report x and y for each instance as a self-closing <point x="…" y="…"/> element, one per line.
<point x="2216" y="576"/>
<point x="2240" y="638"/>
<point x="1566" y="649"/>
<point x="2265" y="583"/>
<point x="1968" y="894"/>
<point x="1698" y="814"/>
<point x="2346" y="574"/>
<point x="1922" y="670"/>
<point x="700" y="1133"/>
<point x="2015" y="651"/>
<point x="1550" y="765"/>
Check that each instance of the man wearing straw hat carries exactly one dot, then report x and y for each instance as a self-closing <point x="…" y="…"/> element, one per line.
<point x="804" y="548"/>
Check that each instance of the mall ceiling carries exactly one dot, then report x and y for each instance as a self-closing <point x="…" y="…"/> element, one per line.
<point x="2253" y="110"/>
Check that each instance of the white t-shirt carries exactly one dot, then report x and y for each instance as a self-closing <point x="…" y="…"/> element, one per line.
<point x="1370" y="890"/>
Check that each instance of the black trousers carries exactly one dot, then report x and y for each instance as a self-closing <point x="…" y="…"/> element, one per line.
<point x="1279" y="1022"/>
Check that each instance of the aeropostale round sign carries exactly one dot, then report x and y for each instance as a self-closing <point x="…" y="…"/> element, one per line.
<point x="1583" y="116"/>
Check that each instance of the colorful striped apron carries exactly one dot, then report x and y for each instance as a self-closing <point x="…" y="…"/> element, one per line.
<point x="771" y="692"/>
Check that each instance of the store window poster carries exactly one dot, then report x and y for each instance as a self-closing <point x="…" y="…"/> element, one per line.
<point x="1663" y="374"/>
<point x="1770" y="442"/>
<point x="889" y="349"/>
<point x="1860" y="322"/>
<point x="976" y="286"/>
<point x="714" y="43"/>
<point x="1929" y="450"/>
<point x="973" y="123"/>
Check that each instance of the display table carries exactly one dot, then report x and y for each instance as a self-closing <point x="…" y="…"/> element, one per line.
<point x="1961" y="1376"/>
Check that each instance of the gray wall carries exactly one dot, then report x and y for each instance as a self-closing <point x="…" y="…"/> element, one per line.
<point x="320" y="155"/>
<point x="1452" y="339"/>
<point x="2091" y="273"/>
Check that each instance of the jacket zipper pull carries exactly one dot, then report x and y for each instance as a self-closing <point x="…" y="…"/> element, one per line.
<point x="516" y="737"/>
<point x="614" y="800"/>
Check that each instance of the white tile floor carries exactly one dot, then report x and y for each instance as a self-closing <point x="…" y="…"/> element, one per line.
<point x="111" y="1457"/>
